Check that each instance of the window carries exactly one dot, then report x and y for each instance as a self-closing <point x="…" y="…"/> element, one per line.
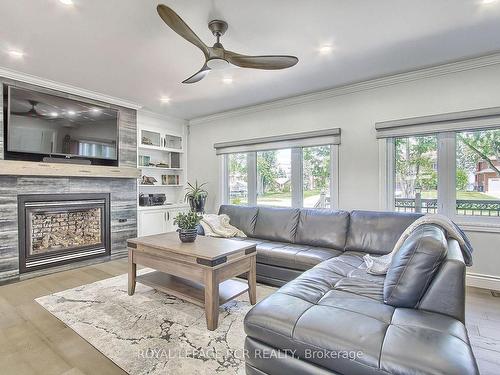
<point x="415" y="174"/>
<point x="238" y="178"/>
<point x="274" y="172"/>
<point x="316" y="169"/>
<point x="478" y="173"/>
<point x="455" y="173"/>
<point x="289" y="170"/>
<point x="288" y="177"/>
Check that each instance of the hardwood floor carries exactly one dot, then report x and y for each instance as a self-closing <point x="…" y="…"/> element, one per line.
<point x="482" y="317"/>
<point x="32" y="341"/>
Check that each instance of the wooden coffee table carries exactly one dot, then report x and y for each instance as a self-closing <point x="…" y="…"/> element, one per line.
<point x="200" y="272"/>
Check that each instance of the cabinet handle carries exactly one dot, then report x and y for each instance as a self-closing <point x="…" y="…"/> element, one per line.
<point x="168" y="215"/>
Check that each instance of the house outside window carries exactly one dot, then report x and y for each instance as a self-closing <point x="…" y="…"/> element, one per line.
<point x="478" y="173"/>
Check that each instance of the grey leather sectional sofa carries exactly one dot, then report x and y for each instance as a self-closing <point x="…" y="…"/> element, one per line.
<point x="331" y="317"/>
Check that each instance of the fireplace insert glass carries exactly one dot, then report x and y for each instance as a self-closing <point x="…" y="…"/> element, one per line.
<point x="57" y="229"/>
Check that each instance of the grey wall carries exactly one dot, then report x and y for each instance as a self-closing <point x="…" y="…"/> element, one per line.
<point x="123" y="192"/>
<point x="356" y="114"/>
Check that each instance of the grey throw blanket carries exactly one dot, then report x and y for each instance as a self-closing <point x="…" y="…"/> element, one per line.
<point x="380" y="265"/>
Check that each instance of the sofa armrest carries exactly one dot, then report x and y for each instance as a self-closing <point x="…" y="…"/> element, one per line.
<point x="446" y="294"/>
<point x="200" y="230"/>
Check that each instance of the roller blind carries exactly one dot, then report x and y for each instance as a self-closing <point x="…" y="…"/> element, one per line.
<point x="476" y="119"/>
<point x="304" y="139"/>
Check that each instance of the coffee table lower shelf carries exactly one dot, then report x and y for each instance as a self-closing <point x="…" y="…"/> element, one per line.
<point x="189" y="290"/>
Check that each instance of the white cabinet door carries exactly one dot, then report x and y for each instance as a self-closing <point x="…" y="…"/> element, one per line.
<point x="152" y="222"/>
<point x="171" y="214"/>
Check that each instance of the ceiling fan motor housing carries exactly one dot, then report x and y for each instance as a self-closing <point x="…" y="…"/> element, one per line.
<point x="217" y="27"/>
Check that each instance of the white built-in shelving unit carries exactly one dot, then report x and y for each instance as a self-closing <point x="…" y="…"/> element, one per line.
<point x="161" y="154"/>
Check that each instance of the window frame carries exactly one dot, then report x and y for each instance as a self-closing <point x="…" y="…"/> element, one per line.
<point x="447" y="201"/>
<point x="296" y="176"/>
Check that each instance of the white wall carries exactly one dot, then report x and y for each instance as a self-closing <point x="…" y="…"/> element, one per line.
<point x="356" y="114"/>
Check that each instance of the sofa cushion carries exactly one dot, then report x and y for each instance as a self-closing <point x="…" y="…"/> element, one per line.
<point x="325" y="228"/>
<point x="414" y="266"/>
<point x="294" y="256"/>
<point x="377" y="232"/>
<point x="315" y="313"/>
<point x="276" y="224"/>
<point x="242" y="217"/>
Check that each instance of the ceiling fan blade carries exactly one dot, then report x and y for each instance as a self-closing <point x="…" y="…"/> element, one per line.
<point x="176" y="23"/>
<point x="270" y="62"/>
<point x="198" y="76"/>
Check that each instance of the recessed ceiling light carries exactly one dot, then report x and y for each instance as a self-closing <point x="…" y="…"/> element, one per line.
<point x="227" y="80"/>
<point x="325" y="49"/>
<point x="66" y="2"/>
<point x="96" y="110"/>
<point x="16" y="54"/>
<point x="71" y="113"/>
<point x="165" y="99"/>
<point x="54" y="114"/>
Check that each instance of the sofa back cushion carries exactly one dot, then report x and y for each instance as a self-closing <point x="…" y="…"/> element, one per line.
<point x="276" y="224"/>
<point x="324" y="228"/>
<point x="376" y="232"/>
<point x="414" y="266"/>
<point x="242" y="217"/>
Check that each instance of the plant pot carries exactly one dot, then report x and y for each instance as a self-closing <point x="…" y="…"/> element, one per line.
<point x="187" y="235"/>
<point x="197" y="205"/>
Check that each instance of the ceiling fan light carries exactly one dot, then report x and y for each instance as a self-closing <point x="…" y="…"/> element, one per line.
<point x="217" y="63"/>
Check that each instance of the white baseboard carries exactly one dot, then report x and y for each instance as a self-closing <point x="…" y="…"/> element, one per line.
<point x="483" y="281"/>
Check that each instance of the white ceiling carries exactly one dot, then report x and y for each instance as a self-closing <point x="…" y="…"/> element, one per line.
<point x="122" y="48"/>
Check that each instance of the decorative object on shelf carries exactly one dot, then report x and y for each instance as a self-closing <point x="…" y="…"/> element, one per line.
<point x="157" y="199"/>
<point x="144" y="200"/>
<point x="175" y="160"/>
<point x="187" y="223"/>
<point x="144" y="160"/>
<point x="152" y="199"/>
<point x="162" y="164"/>
<point x="196" y="196"/>
<point x="148" y="180"/>
<point x="170" y="179"/>
<point x="150" y="138"/>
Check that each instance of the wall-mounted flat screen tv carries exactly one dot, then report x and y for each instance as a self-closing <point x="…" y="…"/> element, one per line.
<point x="41" y="126"/>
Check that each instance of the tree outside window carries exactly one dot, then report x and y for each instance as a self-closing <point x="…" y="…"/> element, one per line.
<point x="238" y="179"/>
<point x="316" y="176"/>
<point x="274" y="178"/>
<point x="416" y="176"/>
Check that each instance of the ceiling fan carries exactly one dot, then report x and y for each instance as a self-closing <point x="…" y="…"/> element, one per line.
<point x="217" y="57"/>
<point x="32" y="112"/>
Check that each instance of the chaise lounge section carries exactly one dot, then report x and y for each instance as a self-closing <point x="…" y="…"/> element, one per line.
<point x="331" y="317"/>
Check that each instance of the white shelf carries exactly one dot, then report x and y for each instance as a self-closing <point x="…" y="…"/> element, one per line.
<point x="162" y="168"/>
<point x="141" y="185"/>
<point x="159" y="148"/>
<point x="163" y="206"/>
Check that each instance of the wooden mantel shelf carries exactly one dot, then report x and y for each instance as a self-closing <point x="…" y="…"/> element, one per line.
<point x="28" y="168"/>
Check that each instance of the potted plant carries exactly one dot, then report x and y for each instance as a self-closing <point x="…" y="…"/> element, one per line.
<point x="196" y="196"/>
<point x="187" y="223"/>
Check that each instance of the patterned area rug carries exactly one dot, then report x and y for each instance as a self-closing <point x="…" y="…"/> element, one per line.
<point x="151" y="332"/>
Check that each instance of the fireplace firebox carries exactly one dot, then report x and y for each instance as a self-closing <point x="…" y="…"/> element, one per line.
<point x="63" y="228"/>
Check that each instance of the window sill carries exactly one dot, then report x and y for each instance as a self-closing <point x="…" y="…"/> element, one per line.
<point x="480" y="225"/>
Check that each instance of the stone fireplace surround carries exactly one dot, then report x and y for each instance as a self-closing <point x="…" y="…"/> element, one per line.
<point x="122" y="191"/>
